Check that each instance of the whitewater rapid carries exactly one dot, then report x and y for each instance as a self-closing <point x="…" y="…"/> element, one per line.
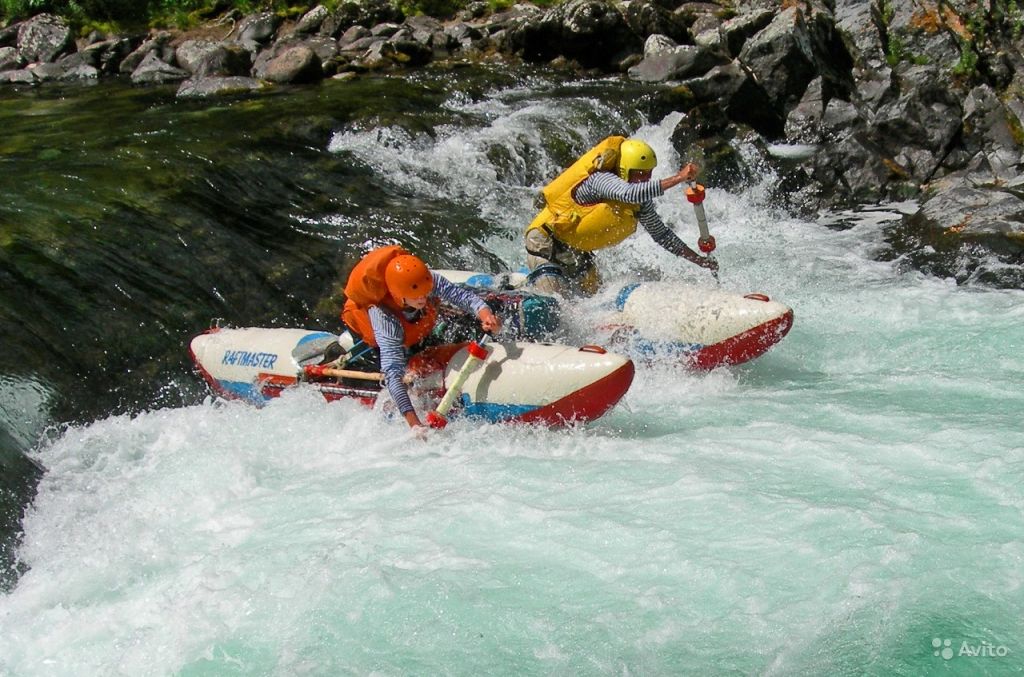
<point x="836" y="506"/>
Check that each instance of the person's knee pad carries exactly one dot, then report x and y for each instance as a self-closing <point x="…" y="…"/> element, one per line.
<point x="548" y="277"/>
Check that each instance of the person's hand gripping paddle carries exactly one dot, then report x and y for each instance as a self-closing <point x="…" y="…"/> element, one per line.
<point x="706" y="242"/>
<point x="477" y="354"/>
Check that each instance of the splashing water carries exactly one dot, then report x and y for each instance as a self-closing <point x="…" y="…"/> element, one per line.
<point x="833" y="507"/>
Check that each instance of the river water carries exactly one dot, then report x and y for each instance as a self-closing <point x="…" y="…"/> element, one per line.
<point x="849" y="503"/>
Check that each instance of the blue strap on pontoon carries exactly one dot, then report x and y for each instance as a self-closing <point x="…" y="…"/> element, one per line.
<point x="546" y="270"/>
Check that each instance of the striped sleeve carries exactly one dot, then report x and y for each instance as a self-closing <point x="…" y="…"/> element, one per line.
<point x="601" y="186"/>
<point x="605" y="186"/>
<point x="661" y="233"/>
<point x="457" y="296"/>
<point x="390" y="336"/>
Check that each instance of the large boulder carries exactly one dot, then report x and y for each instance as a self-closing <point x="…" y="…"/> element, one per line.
<point x="430" y="33"/>
<point x="213" y="58"/>
<point x="298" y="64"/>
<point x="793" y="50"/>
<point x="736" y="31"/>
<point x="592" y="32"/>
<point x="44" y="38"/>
<point x="859" y="23"/>
<point x="919" y="126"/>
<point x="922" y="32"/>
<point x="158" y="44"/>
<point x="676" y="63"/>
<point x="992" y="136"/>
<point x="80" y="66"/>
<point x="257" y="28"/>
<point x="969" y="232"/>
<point x="311" y="21"/>
<point x="154" y="70"/>
<point x="737" y="93"/>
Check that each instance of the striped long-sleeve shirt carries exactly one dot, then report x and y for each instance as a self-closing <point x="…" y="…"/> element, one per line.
<point x="601" y="186"/>
<point x="388" y="332"/>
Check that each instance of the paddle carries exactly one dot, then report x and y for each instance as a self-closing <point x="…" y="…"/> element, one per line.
<point x="477" y="354"/>
<point x="315" y="370"/>
<point x="706" y="243"/>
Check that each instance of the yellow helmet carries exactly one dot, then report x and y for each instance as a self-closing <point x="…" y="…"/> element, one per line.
<point x="635" y="154"/>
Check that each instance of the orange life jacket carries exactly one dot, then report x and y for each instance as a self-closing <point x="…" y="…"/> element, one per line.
<point x="587" y="227"/>
<point x="366" y="288"/>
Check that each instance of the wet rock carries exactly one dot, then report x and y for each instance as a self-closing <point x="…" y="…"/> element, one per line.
<point x="676" y="63"/>
<point x="107" y="55"/>
<point x="65" y="71"/>
<point x="155" y="70"/>
<point x="258" y="28"/>
<point x="312" y="20"/>
<point x="297" y="64"/>
<point x="208" y="58"/>
<point x="803" y="124"/>
<point x="199" y="88"/>
<point x="993" y="135"/>
<point x="926" y="116"/>
<point x="647" y="18"/>
<point x="737" y="30"/>
<point x="22" y="76"/>
<point x="793" y="50"/>
<point x="44" y="38"/>
<point x="741" y="98"/>
<point x="593" y="32"/>
<point x="969" y="232"/>
<point x="77" y="66"/>
<point x="159" y="45"/>
<point x="10" y="59"/>
<point x="390" y="53"/>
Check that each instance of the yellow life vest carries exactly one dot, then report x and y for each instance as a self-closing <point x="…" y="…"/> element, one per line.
<point x="587" y="227"/>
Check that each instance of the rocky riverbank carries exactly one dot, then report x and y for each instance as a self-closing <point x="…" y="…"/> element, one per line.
<point x="850" y="102"/>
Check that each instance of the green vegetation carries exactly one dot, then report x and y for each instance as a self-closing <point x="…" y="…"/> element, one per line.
<point x="968" y="62"/>
<point x="896" y="49"/>
<point x="124" y="12"/>
<point x="987" y="29"/>
<point x="189" y="13"/>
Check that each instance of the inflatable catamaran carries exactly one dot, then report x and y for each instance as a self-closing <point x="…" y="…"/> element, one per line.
<point x="518" y="382"/>
<point x="696" y="326"/>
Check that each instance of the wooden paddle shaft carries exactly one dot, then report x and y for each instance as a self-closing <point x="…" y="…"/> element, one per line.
<point x="352" y="373"/>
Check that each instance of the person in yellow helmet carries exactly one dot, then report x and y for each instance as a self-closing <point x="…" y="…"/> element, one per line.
<point x="596" y="203"/>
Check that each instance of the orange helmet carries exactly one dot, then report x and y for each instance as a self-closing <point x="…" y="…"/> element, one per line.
<point x="407" y="277"/>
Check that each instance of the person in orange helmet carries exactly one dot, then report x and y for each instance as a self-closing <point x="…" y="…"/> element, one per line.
<point x="391" y="305"/>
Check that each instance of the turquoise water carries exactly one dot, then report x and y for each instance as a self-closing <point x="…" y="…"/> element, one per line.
<point x="846" y="504"/>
